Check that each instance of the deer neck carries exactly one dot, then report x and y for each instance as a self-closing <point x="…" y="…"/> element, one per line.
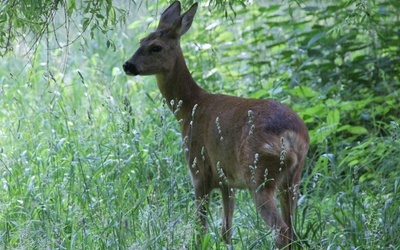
<point x="179" y="89"/>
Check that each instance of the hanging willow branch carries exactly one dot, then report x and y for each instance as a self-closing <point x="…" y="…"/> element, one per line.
<point x="27" y="22"/>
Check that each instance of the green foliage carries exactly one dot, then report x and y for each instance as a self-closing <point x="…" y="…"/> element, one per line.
<point x="92" y="159"/>
<point x="28" y="22"/>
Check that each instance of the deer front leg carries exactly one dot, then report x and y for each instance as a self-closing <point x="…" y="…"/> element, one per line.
<point x="228" y="202"/>
<point x="202" y="193"/>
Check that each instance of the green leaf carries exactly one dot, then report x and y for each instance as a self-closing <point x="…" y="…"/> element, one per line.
<point x="259" y="94"/>
<point x="85" y="24"/>
<point x="303" y="91"/>
<point x="71" y="7"/>
<point x="357" y="130"/>
<point x="225" y="36"/>
<point x="311" y="8"/>
<point x="111" y="44"/>
<point x="206" y="241"/>
<point x="315" y="38"/>
<point x="333" y="117"/>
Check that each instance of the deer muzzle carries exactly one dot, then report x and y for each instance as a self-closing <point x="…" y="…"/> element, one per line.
<point x="130" y="69"/>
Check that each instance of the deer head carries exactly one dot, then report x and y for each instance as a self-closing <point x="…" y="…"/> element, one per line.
<point x="158" y="51"/>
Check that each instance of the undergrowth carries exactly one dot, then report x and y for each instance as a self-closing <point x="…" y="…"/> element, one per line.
<point x="92" y="159"/>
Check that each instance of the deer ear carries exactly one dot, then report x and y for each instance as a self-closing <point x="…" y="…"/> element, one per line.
<point x="183" y="24"/>
<point x="170" y="15"/>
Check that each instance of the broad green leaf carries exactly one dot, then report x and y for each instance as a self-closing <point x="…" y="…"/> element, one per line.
<point x="260" y="93"/>
<point x="357" y="130"/>
<point x="333" y="117"/>
<point x="225" y="37"/>
<point x="303" y="91"/>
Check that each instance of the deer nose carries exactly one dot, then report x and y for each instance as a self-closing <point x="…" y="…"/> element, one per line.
<point x="130" y="68"/>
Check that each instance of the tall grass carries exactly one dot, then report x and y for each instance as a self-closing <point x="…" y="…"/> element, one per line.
<point x="91" y="159"/>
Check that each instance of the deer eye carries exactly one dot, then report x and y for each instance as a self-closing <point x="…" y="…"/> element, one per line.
<point x="155" y="48"/>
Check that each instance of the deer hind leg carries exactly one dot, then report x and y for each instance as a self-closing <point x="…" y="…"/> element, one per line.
<point x="264" y="199"/>
<point x="288" y="199"/>
<point x="228" y="202"/>
<point x="265" y="179"/>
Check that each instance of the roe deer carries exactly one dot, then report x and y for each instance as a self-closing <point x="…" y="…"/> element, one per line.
<point x="229" y="142"/>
